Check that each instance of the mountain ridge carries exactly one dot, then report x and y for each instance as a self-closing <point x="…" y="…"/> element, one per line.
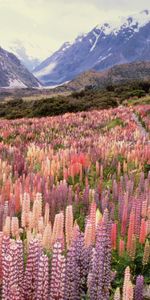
<point x="13" y="74"/>
<point x="103" y="47"/>
<point x="119" y="74"/>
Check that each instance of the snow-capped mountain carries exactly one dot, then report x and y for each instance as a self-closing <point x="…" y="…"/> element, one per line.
<point x="29" y="53"/>
<point x="13" y="74"/>
<point x="104" y="46"/>
<point x="24" y="54"/>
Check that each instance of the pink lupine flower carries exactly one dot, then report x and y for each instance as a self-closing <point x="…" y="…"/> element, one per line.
<point x="127" y="286"/>
<point x="143" y="231"/>
<point x="114" y="236"/>
<point x="130" y="230"/>
<point x="69" y="225"/>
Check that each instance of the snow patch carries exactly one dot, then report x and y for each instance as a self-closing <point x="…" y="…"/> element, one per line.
<point x="54" y="86"/>
<point x="109" y="49"/>
<point x="104" y="57"/>
<point x="108" y="28"/>
<point x="65" y="46"/>
<point x="96" y="40"/>
<point x="16" y="83"/>
<point x="45" y="71"/>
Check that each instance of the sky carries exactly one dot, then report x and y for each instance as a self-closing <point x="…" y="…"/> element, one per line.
<point x="44" y="25"/>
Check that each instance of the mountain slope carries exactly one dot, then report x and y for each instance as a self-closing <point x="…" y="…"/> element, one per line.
<point x="103" y="47"/>
<point x="119" y="74"/>
<point x="13" y="74"/>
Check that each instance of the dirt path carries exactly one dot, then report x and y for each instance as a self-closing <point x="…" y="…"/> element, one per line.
<point x="142" y="129"/>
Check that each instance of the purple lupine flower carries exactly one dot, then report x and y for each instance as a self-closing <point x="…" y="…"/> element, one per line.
<point x="77" y="268"/>
<point x="72" y="280"/>
<point x="100" y="275"/>
<point x="20" y="266"/>
<point x="5" y="248"/>
<point x="57" y="281"/>
<point x="141" y="183"/>
<point x="9" y="287"/>
<point x="138" y="295"/>
<point x="82" y="262"/>
<point x="31" y="272"/>
<point x="10" y="275"/>
<point x="43" y="278"/>
<point x="62" y="277"/>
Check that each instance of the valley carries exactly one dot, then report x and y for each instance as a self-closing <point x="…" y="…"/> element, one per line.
<point x="74" y="151"/>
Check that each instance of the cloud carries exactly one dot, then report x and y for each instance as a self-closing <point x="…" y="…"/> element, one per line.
<point x="49" y="23"/>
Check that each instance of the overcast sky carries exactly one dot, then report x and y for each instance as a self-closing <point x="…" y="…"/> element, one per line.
<point x="48" y="23"/>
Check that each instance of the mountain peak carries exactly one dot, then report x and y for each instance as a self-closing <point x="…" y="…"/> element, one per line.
<point x="145" y="11"/>
<point x="139" y="19"/>
<point x="65" y="46"/>
<point x="133" y="20"/>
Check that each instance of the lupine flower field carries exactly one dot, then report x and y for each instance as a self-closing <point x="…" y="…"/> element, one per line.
<point x="75" y="206"/>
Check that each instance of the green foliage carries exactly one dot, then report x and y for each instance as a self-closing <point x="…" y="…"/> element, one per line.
<point x="89" y="98"/>
<point x="58" y="146"/>
<point x="146" y="169"/>
<point x="79" y="215"/>
<point x="37" y="167"/>
<point x="78" y="95"/>
<point x="136" y="93"/>
<point x="119" y="263"/>
<point x="145" y="85"/>
<point x="138" y="101"/>
<point x="121" y="158"/>
<point x="115" y="122"/>
<point x="109" y="171"/>
<point x="110" y="88"/>
<point x="107" y="184"/>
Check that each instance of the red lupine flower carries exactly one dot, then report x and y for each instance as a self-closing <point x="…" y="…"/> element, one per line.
<point x="121" y="247"/>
